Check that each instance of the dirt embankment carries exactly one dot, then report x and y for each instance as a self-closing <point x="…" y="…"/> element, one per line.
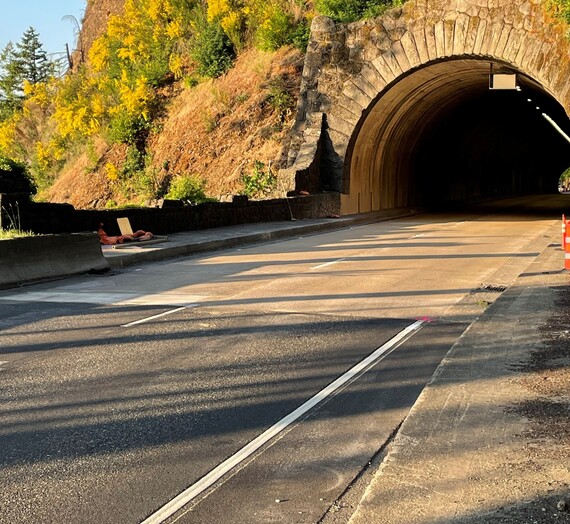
<point x="216" y="129"/>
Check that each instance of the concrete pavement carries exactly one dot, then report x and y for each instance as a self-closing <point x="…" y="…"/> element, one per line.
<point x="462" y="455"/>
<point x="482" y="443"/>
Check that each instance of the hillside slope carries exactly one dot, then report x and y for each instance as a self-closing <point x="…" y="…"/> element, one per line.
<point x="216" y="129"/>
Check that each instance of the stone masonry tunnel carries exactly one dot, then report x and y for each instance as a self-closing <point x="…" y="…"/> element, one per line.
<point x="397" y="111"/>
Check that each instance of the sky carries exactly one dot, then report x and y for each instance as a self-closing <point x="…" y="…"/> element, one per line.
<point x="46" y="17"/>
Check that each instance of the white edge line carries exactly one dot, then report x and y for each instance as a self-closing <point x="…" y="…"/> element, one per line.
<point x="148" y="319"/>
<point x="329" y="263"/>
<point x="218" y="472"/>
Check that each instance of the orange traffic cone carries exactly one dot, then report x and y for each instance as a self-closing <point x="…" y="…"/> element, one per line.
<point x="567" y="248"/>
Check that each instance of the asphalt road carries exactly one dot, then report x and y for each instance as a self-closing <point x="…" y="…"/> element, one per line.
<point x="119" y="392"/>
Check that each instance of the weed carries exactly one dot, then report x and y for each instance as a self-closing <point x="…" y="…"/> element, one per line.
<point x="209" y="120"/>
<point x="279" y="98"/>
<point x="259" y="182"/>
<point x="13" y="226"/>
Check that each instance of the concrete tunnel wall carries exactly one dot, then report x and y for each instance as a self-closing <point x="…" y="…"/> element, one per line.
<point x="396" y="111"/>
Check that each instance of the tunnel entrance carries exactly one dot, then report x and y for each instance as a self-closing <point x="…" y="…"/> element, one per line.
<point x="439" y="135"/>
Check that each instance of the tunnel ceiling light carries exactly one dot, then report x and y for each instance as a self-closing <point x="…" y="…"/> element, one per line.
<point x="556" y="126"/>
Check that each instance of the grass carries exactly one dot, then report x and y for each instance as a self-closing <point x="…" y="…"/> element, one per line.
<point x="8" y="234"/>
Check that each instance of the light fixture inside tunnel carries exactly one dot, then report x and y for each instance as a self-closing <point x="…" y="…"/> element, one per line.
<point x="547" y="117"/>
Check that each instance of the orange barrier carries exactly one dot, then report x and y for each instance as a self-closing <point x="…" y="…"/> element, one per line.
<point x="567" y="248"/>
<point x="564" y="232"/>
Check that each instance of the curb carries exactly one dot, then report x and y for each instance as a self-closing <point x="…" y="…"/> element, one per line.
<point x="193" y="242"/>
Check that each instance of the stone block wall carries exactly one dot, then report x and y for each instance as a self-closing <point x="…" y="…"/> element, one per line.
<point x="43" y="218"/>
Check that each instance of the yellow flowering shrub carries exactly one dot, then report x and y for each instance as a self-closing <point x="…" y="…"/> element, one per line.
<point x="8" y="136"/>
<point x="111" y="171"/>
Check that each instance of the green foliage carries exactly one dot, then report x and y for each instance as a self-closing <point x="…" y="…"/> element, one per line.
<point x="299" y="37"/>
<point x="189" y="188"/>
<point x="10" y="84"/>
<point x="212" y="49"/>
<point x="7" y="234"/>
<point x="26" y="62"/>
<point x="31" y="60"/>
<point x="560" y="8"/>
<point x="565" y="178"/>
<point x="134" y="163"/>
<point x="276" y="30"/>
<point x="260" y="182"/>
<point x="353" y="10"/>
<point x="125" y="128"/>
<point x="279" y="98"/>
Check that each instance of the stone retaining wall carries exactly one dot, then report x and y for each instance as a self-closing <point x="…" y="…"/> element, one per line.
<point x="47" y="218"/>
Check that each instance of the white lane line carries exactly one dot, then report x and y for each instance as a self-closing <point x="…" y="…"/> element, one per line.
<point x="148" y="319"/>
<point x="328" y="263"/>
<point x="218" y="472"/>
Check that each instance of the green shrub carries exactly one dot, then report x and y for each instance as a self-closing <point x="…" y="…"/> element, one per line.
<point x="561" y="9"/>
<point x="211" y="49"/>
<point x="189" y="188"/>
<point x="275" y="31"/>
<point x="300" y="35"/>
<point x="259" y="182"/>
<point x="352" y="10"/>
<point x="127" y="129"/>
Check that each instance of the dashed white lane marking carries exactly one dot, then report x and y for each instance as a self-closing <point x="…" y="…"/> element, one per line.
<point x="119" y="298"/>
<point x="153" y="317"/>
<point x="328" y="263"/>
<point x="218" y="472"/>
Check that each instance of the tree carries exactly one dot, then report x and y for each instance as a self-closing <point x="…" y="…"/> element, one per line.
<point x="25" y="62"/>
<point x="10" y="84"/>
<point x="31" y="58"/>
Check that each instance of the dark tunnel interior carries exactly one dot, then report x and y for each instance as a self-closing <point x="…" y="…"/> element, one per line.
<point x="441" y="136"/>
<point x="492" y="145"/>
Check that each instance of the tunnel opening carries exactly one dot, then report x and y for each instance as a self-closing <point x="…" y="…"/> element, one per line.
<point x="439" y="136"/>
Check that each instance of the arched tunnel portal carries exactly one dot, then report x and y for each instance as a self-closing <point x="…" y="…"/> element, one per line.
<point x="441" y="135"/>
<point x="397" y="111"/>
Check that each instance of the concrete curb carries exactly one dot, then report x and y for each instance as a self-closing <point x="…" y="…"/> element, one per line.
<point x="44" y="257"/>
<point x="193" y="242"/>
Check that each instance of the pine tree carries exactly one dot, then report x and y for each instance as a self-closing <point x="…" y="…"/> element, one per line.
<point x="10" y="83"/>
<point x="31" y="58"/>
<point x="25" y="62"/>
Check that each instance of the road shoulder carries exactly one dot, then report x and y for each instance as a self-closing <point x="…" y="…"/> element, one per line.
<point x="482" y="444"/>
